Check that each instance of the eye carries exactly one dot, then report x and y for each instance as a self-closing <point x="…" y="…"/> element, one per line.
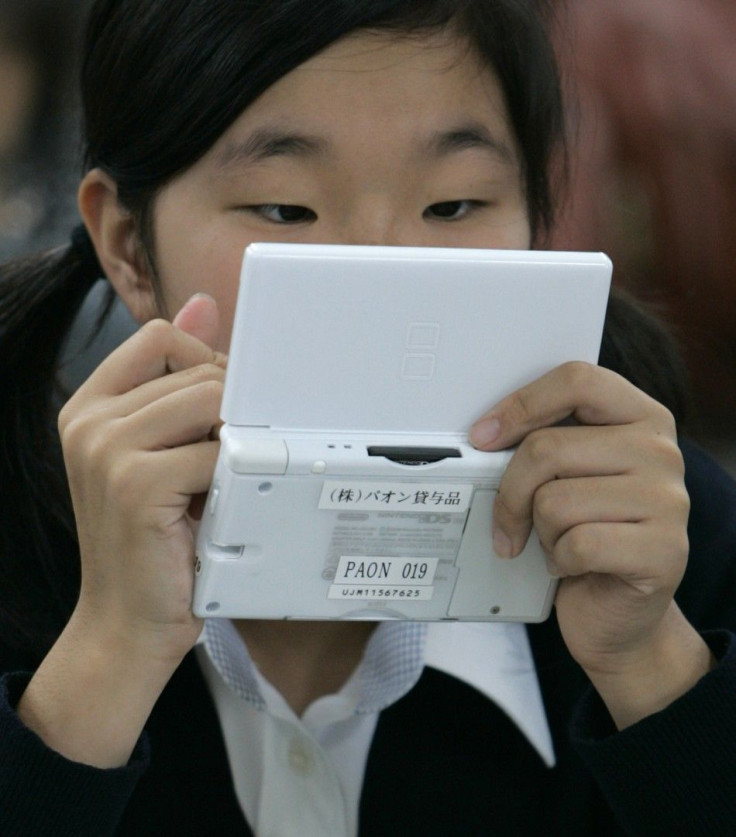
<point x="451" y="210"/>
<point x="283" y="213"/>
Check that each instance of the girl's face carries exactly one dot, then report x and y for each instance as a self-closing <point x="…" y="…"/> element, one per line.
<point x="377" y="140"/>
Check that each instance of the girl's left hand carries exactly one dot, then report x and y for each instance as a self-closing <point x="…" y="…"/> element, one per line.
<point x="608" y="502"/>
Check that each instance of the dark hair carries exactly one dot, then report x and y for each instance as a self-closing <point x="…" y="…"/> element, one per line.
<point x="172" y="77"/>
<point x="161" y="81"/>
<point x="639" y="346"/>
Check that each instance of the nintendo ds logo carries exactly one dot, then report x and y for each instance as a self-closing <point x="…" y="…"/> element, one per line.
<point x="420" y="359"/>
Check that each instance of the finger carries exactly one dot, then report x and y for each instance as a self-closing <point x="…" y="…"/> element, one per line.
<point x="149" y="482"/>
<point x="160" y="388"/>
<point x="112" y="424"/>
<point x="179" y="418"/>
<point x="561" y="505"/>
<point x="646" y="556"/>
<point x="554" y="454"/>
<point x="155" y="350"/>
<point x="190" y="467"/>
<point x="587" y="393"/>
<point x="200" y="318"/>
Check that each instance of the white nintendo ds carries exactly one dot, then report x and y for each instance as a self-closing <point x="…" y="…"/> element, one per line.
<point x="345" y="486"/>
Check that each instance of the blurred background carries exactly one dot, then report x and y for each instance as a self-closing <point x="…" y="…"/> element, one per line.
<point x="652" y="92"/>
<point x="39" y="149"/>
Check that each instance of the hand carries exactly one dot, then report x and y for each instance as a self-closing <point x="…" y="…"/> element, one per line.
<point x="136" y="440"/>
<point x="137" y="449"/>
<point x="607" y="499"/>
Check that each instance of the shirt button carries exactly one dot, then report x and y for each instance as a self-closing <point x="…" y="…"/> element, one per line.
<point x="301" y="760"/>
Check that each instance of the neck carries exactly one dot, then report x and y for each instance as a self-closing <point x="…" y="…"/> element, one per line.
<point x="305" y="660"/>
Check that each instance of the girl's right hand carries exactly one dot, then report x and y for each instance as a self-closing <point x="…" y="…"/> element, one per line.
<point x="138" y="446"/>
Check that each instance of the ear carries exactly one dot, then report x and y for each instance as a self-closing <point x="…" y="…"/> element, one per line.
<point x="116" y="239"/>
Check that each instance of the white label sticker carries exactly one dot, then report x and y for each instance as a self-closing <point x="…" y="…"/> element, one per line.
<point x="383" y="594"/>
<point x="401" y="496"/>
<point x="385" y="571"/>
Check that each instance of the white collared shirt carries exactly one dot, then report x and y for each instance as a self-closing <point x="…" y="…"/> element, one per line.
<point x="304" y="775"/>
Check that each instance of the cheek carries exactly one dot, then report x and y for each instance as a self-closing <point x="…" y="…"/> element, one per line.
<point x="215" y="275"/>
<point x="516" y="233"/>
<point x="510" y="233"/>
<point x="195" y="253"/>
<point x="517" y="236"/>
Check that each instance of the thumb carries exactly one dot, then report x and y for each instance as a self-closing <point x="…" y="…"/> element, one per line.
<point x="200" y="318"/>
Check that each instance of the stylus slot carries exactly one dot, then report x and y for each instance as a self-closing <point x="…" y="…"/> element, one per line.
<point x="413" y="455"/>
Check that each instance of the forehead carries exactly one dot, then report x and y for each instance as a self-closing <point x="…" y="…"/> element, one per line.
<point x="373" y="86"/>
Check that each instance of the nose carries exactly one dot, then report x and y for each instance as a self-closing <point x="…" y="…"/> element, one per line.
<point x="376" y="222"/>
<point x="373" y="231"/>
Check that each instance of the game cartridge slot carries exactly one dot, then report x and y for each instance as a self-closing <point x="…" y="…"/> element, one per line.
<point x="404" y="455"/>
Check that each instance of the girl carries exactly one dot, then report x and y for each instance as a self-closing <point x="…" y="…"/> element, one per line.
<point x="431" y="122"/>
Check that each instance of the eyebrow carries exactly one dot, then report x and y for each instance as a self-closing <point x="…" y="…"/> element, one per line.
<point x="468" y="137"/>
<point x="266" y="143"/>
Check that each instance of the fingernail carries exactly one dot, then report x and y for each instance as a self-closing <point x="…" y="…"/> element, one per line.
<point x="502" y="545"/>
<point x="553" y="569"/>
<point x="192" y="299"/>
<point x="485" y="432"/>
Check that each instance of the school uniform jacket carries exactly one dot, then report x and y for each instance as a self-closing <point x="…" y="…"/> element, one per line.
<point x="444" y="759"/>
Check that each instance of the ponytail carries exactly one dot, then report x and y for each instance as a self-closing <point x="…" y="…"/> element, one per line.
<point x="39" y="299"/>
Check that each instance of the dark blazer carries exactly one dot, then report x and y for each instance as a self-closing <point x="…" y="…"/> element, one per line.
<point x="444" y="759"/>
